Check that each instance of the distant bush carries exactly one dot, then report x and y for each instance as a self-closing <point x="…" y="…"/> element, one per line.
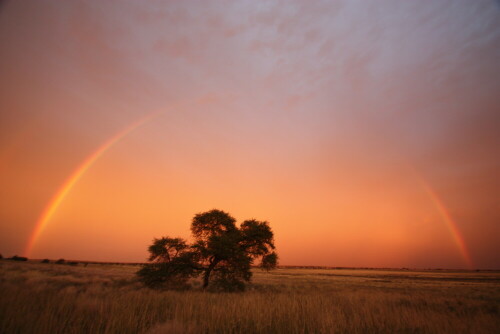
<point x="61" y="261"/>
<point x="45" y="261"/>
<point x="18" y="258"/>
<point x="164" y="275"/>
<point x="72" y="263"/>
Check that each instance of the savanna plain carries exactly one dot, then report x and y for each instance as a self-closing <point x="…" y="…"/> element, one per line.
<point x="107" y="298"/>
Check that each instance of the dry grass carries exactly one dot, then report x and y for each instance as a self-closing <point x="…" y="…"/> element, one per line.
<point x="50" y="298"/>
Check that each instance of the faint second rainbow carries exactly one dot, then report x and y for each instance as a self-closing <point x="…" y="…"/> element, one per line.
<point x="59" y="196"/>
<point x="450" y="223"/>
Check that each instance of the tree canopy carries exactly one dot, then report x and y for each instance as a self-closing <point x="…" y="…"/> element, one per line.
<point x="221" y="253"/>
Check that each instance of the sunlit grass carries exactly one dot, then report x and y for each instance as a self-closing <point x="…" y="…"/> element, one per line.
<point x="50" y="298"/>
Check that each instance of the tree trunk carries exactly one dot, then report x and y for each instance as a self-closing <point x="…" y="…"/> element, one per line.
<point x="206" y="276"/>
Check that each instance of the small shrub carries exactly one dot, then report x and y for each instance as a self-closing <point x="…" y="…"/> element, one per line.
<point x="164" y="276"/>
<point x="61" y="261"/>
<point x="72" y="263"/>
<point x="45" y="261"/>
<point x="19" y="258"/>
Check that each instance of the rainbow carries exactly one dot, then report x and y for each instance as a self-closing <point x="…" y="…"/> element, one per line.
<point x="66" y="187"/>
<point x="450" y="223"/>
<point x="76" y="175"/>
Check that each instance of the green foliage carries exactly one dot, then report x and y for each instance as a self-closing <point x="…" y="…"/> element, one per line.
<point x="222" y="254"/>
<point x="212" y="223"/>
<point x="163" y="276"/>
<point x="269" y="261"/>
<point x="171" y="264"/>
<point x="166" y="249"/>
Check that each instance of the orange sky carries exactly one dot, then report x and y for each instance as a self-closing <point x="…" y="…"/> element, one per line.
<point x="366" y="133"/>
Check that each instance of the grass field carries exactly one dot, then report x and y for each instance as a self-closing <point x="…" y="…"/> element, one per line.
<point x="51" y="298"/>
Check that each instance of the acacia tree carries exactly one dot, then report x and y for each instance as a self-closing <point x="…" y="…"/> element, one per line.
<point x="222" y="253"/>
